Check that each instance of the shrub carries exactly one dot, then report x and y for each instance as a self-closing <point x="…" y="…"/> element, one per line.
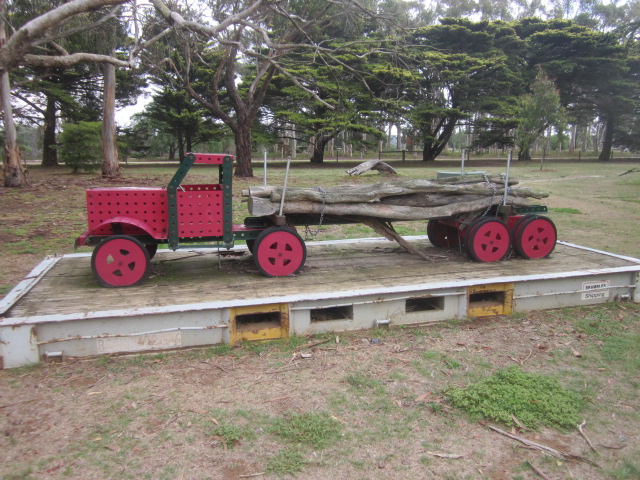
<point x="81" y="146"/>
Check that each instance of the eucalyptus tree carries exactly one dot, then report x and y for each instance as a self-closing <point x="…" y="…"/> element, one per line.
<point x="268" y="34"/>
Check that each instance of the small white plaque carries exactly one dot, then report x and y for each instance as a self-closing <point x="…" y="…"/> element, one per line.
<point x="140" y="343"/>
<point x="595" y="290"/>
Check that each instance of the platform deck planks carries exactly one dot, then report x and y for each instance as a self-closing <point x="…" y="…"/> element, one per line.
<point x="189" y="277"/>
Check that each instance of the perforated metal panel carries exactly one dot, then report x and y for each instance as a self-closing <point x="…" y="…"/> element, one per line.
<point x="146" y="205"/>
<point x="200" y="211"/>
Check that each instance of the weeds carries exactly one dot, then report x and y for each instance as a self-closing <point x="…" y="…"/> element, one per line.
<point x="288" y="461"/>
<point x="317" y="430"/>
<point x="532" y="399"/>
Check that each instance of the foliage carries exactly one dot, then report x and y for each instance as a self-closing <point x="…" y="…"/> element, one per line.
<point x="533" y="399"/>
<point x="231" y="434"/>
<point x="317" y="430"/>
<point x="539" y="110"/>
<point x="288" y="461"/>
<point x="80" y="146"/>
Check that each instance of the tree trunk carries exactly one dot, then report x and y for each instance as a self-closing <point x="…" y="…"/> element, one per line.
<point x="433" y="148"/>
<point x="49" y="151"/>
<point x="110" y="162"/>
<point x="244" y="169"/>
<point x="15" y="175"/>
<point x="524" y="154"/>
<point x="181" y="152"/>
<point x="317" y="156"/>
<point x="607" y="140"/>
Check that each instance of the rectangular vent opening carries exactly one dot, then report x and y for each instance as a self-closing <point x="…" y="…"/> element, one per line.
<point x="487" y="299"/>
<point x="250" y="322"/>
<point x="424" y="304"/>
<point x="332" y="313"/>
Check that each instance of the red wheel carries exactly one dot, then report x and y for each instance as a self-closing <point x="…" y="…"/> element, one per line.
<point x="442" y="235"/>
<point x="120" y="261"/>
<point x="279" y="251"/>
<point x="488" y="240"/>
<point x="534" y="237"/>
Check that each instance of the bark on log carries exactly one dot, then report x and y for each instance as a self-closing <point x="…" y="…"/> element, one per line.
<point x="374" y="192"/>
<point x="261" y="206"/>
<point x="375" y="164"/>
<point x="392" y="188"/>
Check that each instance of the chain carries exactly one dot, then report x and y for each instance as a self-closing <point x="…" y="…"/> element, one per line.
<point x="493" y="195"/>
<point x="307" y="230"/>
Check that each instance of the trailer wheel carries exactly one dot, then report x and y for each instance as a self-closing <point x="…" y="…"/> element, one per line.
<point x="534" y="236"/>
<point x="488" y="240"/>
<point x="442" y="235"/>
<point x="120" y="261"/>
<point x="279" y="251"/>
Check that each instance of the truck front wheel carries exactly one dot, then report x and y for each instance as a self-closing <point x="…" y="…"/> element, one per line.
<point x="120" y="261"/>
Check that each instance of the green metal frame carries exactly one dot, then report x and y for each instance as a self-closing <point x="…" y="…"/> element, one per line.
<point x="225" y="180"/>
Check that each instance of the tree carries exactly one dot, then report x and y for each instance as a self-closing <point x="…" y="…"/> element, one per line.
<point x="590" y="69"/>
<point x="15" y="50"/>
<point x="262" y="41"/>
<point x="540" y="109"/>
<point x="462" y="69"/>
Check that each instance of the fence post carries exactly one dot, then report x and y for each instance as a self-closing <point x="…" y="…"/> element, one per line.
<point x="403" y="152"/>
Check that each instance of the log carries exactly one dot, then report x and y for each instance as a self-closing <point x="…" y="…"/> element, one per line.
<point x="374" y="192"/>
<point x="262" y="206"/>
<point x="375" y="164"/>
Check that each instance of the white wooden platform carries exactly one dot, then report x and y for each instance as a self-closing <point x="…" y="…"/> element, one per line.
<point x="196" y="298"/>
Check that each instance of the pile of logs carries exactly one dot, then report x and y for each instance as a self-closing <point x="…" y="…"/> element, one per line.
<point x="409" y="199"/>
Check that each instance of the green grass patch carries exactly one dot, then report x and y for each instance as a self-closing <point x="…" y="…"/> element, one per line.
<point x="532" y="398"/>
<point x="232" y="434"/>
<point x="288" y="461"/>
<point x="623" y="350"/>
<point x="573" y="211"/>
<point x="317" y="430"/>
<point x="627" y="471"/>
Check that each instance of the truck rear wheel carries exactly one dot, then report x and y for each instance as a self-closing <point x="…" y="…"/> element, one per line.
<point x="279" y="251"/>
<point x="120" y="261"/>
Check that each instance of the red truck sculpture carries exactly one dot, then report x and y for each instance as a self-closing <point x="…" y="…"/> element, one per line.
<point x="126" y="225"/>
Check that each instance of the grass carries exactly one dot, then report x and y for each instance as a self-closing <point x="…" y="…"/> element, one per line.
<point x="533" y="399"/>
<point x="316" y="430"/>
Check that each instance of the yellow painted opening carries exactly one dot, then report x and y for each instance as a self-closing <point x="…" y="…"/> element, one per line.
<point x="493" y="299"/>
<point x="259" y="322"/>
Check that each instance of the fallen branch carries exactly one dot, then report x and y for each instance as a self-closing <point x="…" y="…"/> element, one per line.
<point x="19" y="403"/>
<point x="544" y="448"/>
<point x="375" y="164"/>
<point x="584" y="422"/>
<point x="538" y="471"/>
<point x="444" y="455"/>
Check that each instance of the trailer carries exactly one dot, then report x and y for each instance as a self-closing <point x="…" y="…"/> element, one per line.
<point x="127" y="224"/>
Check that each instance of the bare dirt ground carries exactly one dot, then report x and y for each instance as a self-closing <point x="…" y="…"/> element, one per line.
<point x="209" y="413"/>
